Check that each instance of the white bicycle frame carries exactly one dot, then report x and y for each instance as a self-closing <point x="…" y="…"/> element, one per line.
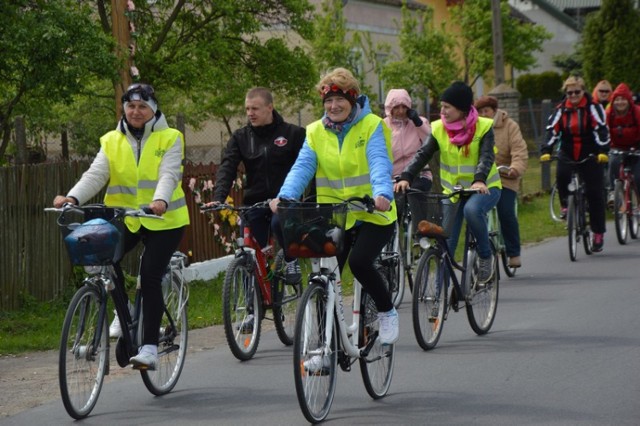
<point x="348" y="333"/>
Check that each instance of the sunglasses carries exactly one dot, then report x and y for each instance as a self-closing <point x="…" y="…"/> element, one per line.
<point x="144" y="91"/>
<point x="573" y="92"/>
<point x="604" y="91"/>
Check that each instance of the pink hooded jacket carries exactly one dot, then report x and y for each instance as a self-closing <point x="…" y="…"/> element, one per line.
<point x="406" y="137"/>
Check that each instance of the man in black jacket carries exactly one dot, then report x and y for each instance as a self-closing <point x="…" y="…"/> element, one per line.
<point x="268" y="147"/>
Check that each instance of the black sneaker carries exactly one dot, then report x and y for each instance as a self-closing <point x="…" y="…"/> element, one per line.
<point x="598" y="243"/>
<point x="292" y="274"/>
<point x="247" y="325"/>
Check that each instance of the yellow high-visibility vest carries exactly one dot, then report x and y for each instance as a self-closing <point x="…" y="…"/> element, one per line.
<point x="344" y="172"/>
<point x="133" y="185"/>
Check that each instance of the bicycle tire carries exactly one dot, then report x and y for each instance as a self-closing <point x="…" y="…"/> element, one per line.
<point x="241" y="297"/>
<point x="481" y="303"/>
<point x="620" y="212"/>
<point x="585" y="226"/>
<point x="315" y="391"/>
<point x="285" y="305"/>
<point x="396" y="274"/>
<point x="82" y="367"/>
<point x="555" y="207"/>
<point x="172" y="347"/>
<point x="508" y="270"/>
<point x="377" y="366"/>
<point x="572" y="227"/>
<point x="634" y="214"/>
<point x="428" y="298"/>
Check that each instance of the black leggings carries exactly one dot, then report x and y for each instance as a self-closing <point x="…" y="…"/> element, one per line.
<point x="367" y="241"/>
<point x="592" y="175"/>
<point x="159" y="246"/>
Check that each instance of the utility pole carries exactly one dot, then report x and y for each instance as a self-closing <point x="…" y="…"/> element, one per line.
<point x="498" y="55"/>
<point x="120" y="28"/>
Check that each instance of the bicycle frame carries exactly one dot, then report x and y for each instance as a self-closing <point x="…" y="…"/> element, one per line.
<point x="248" y="246"/>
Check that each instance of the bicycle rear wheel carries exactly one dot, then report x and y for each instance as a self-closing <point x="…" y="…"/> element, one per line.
<point x="482" y="301"/>
<point x="242" y="308"/>
<point x="429" y="300"/>
<point x="554" y="204"/>
<point x="620" y="212"/>
<point x="172" y="347"/>
<point x="377" y="366"/>
<point x="315" y="361"/>
<point x="84" y="352"/>
<point x="634" y="214"/>
<point x="572" y="227"/>
<point x="285" y="305"/>
<point x="509" y="270"/>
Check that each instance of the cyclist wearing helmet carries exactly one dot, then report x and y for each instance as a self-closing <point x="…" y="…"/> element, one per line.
<point x="140" y="162"/>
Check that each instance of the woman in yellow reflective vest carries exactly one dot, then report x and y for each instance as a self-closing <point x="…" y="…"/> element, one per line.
<point x="467" y="158"/>
<point x="349" y="152"/>
<point x="141" y="164"/>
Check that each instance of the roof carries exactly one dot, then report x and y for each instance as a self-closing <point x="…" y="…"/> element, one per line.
<point x="575" y="4"/>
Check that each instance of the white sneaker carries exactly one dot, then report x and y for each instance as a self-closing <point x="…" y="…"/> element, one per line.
<point x="147" y="358"/>
<point x="389" y="327"/>
<point x="318" y="365"/>
<point x="115" y="329"/>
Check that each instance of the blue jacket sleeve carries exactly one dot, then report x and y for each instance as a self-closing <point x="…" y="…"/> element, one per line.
<point x="303" y="170"/>
<point x="380" y="165"/>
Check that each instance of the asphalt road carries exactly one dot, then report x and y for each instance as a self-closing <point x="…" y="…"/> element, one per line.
<point x="564" y="349"/>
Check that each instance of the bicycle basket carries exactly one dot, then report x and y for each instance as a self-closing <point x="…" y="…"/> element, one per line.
<point x="94" y="242"/>
<point x="313" y="230"/>
<point x="431" y="217"/>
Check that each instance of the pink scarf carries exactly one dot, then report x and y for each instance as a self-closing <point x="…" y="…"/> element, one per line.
<point x="461" y="132"/>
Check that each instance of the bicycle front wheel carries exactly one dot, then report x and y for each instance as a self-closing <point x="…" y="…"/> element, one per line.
<point x="620" y="212"/>
<point x="482" y="302"/>
<point x="585" y="226"/>
<point x="285" y="305"/>
<point x="572" y="227"/>
<point x="242" y="308"/>
<point x="172" y="346"/>
<point x="315" y="360"/>
<point x="377" y="366"/>
<point x="84" y="352"/>
<point x="393" y="267"/>
<point x="429" y="300"/>
<point x="555" y="207"/>
<point x="634" y="214"/>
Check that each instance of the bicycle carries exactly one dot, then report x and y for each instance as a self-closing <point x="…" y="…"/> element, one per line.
<point x="555" y="205"/>
<point x="433" y="294"/>
<point x="253" y="283"/>
<point x="401" y="254"/>
<point x="322" y="334"/>
<point x="625" y="199"/>
<point x="495" y="233"/>
<point x="84" y="344"/>
<point x="577" y="212"/>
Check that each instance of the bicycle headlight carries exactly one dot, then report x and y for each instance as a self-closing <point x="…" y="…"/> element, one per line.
<point x="425" y="243"/>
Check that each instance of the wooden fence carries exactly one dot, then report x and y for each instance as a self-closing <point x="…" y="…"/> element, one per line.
<point x="33" y="260"/>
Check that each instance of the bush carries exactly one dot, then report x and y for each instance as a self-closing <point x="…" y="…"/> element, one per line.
<point x="541" y="86"/>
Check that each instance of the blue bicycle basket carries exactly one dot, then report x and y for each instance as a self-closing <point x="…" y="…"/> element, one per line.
<point x="94" y="242"/>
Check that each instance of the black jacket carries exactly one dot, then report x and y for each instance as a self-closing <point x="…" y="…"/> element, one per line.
<point x="268" y="153"/>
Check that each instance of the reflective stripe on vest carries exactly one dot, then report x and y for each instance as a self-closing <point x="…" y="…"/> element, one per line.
<point x="133" y="185"/>
<point x="344" y="172"/>
<point x="455" y="167"/>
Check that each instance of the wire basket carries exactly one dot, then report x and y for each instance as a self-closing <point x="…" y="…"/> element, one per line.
<point x="312" y="229"/>
<point x="93" y="239"/>
<point x="431" y="216"/>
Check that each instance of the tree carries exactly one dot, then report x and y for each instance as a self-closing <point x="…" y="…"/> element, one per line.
<point x="427" y="61"/>
<point x="520" y="40"/>
<point x="51" y="51"/>
<point x="609" y="44"/>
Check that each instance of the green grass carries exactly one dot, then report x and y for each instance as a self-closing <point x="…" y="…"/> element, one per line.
<point x="37" y="325"/>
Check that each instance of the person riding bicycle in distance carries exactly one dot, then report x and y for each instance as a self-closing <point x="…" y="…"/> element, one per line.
<point x="466" y="145"/>
<point x="349" y="152"/>
<point x="141" y="162"/>
<point x="267" y="146"/>
<point x="579" y="124"/>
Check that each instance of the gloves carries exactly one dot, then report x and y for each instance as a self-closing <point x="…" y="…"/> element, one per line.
<point x="412" y="114"/>
<point x="603" y="158"/>
<point x="545" y="157"/>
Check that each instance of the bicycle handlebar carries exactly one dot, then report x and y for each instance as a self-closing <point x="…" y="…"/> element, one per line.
<point x="144" y="212"/>
<point x="573" y="162"/>
<point x="224" y="206"/>
<point x="631" y="152"/>
<point x="457" y="190"/>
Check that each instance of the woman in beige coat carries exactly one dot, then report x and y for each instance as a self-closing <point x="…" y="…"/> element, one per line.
<point x="512" y="153"/>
